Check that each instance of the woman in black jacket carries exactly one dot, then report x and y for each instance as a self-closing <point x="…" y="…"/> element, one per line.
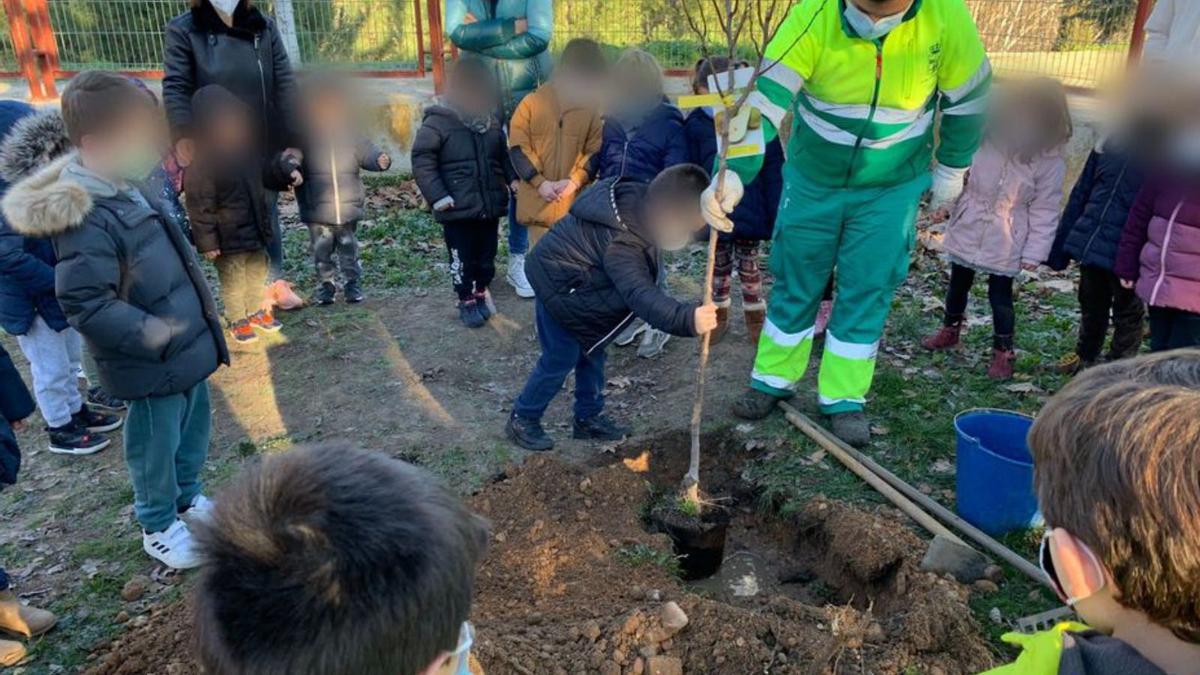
<point x="232" y="44"/>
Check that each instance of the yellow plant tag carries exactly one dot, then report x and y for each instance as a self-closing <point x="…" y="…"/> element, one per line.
<point x="744" y="151"/>
<point x="699" y="100"/>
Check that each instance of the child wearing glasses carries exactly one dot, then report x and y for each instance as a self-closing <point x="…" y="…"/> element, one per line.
<point x="330" y="559"/>
<point x="1116" y="473"/>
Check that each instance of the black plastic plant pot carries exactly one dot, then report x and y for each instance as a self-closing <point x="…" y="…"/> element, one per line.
<point x="699" y="542"/>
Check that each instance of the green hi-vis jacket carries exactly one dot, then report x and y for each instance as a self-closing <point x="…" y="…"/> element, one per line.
<point x="1040" y="652"/>
<point x="864" y="109"/>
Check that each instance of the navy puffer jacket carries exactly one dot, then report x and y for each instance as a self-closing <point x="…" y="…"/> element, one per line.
<point x="657" y="144"/>
<point x="754" y="217"/>
<point x="1091" y="224"/>
<point x="596" y="269"/>
<point x="27" y="263"/>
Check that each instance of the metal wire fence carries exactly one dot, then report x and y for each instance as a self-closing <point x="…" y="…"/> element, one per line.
<point x="127" y="34"/>
<point x="1082" y="42"/>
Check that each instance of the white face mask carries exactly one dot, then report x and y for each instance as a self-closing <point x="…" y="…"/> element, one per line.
<point x="225" y="7"/>
<point x="869" y="28"/>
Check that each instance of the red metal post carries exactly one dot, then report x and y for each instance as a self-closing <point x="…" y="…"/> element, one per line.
<point x="437" y="45"/>
<point x="37" y="13"/>
<point x="420" y="39"/>
<point x="1138" y="39"/>
<point x="18" y="29"/>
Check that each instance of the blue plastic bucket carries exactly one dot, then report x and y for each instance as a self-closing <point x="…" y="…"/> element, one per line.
<point x="995" y="471"/>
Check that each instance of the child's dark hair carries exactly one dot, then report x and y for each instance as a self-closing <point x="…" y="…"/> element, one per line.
<point x="678" y="184"/>
<point x="331" y="559"/>
<point x="712" y="65"/>
<point x="583" y="55"/>
<point x="95" y="100"/>
<point x="1116" y="465"/>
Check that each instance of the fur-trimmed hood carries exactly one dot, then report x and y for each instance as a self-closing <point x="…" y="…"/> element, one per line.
<point x="47" y="202"/>
<point x="32" y="143"/>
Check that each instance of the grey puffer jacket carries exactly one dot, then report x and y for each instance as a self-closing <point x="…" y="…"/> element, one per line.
<point x="332" y="192"/>
<point x="126" y="279"/>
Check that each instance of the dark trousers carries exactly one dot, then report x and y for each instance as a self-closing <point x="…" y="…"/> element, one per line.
<point x="1000" y="295"/>
<point x="1102" y="299"/>
<point x="329" y="241"/>
<point x="275" y="246"/>
<point x="561" y="353"/>
<point x="472" y="248"/>
<point x="1173" y="329"/>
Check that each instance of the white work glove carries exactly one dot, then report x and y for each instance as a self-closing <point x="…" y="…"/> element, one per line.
<point x="716" y="207"/>
<point x="947" y="186"/>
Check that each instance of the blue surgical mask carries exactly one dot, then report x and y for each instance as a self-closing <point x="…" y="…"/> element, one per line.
<point x="869" y="28"/>
<point x="466" y="638"/>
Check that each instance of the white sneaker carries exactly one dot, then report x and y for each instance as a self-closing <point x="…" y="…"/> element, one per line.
<point x="199" y="510"/>
<point x="627" y="336"/>
<point x="173" y="547"/>
<point x="516" y="276"/>
<point x="653" y="343"/>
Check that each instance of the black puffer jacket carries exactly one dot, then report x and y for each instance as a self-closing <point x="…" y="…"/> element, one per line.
<point x="1091" y="225"/>
<point x="451" y="160"/>
<point x="15" y="405"/>
<point x="332" y="192"/>
<point x="248" y="59"/>
<point x="225" y="193"/>
<point x="126" y="279"/>
<point x="596" y="269"/>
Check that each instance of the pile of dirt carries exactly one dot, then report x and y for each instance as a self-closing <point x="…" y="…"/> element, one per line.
<point x="160" y="643"/>
<point x="574" y="584"/>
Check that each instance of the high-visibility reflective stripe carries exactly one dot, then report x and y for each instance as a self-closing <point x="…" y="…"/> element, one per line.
<point x="850" y="350"/>
<point x="975" y="106"/>
<point x="781" y="74"/>
<point x="960" y="92"/>
<point x="769" y="109"/>
<point x="826" y="401"/>
<point x="834" y="134"/>
<point x="779" y="337"/>
<point x="773" y="381"/>
<point x="883" y="115"/>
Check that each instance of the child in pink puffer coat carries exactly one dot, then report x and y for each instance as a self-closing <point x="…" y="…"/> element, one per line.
<point x="1007" y="216"/>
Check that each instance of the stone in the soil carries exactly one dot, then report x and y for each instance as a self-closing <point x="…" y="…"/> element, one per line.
<point x="135" y="588"/>
<point x="985" y="586"/>
<point x="665" y="665"/>
<point x="993" y="573"/>
<point x="673" y="618"/>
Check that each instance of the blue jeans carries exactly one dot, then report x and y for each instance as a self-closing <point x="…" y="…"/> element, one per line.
<point x="166" y="444"/>
<point x="518" y="234"/>
<point x="561" y="353"/>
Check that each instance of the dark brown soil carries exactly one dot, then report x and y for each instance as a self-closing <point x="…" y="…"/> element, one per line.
<point x="574" y="583"/>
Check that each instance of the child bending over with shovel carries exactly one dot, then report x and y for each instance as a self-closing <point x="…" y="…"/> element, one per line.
<point x="594" y="273"/>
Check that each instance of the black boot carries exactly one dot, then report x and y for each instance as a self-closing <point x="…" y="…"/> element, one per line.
<point x="754" y="405"/>
<point x="352" y="292"/>
<point x="852" y="427"/>
<point x="599" y="428"/>
<point x="468" y="313"/>
<point x="325" y="293"/>
<point x="528" y="434"/>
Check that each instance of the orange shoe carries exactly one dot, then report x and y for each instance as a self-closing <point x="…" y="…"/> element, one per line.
<point x="243" y="332"/>
<point x="265" y="321"/>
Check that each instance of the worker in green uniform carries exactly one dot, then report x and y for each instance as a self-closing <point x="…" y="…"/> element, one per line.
<point x="867" y="81"/>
